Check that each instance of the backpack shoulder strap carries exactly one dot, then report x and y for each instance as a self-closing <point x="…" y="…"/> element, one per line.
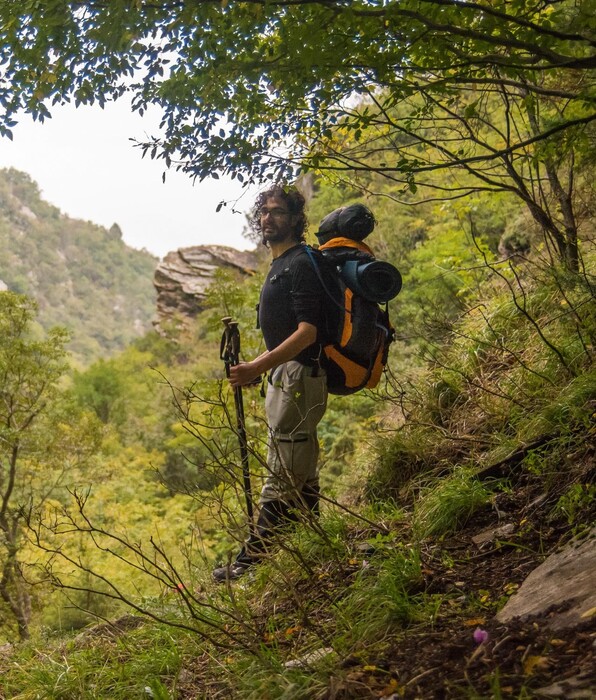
<point x="312" y="254"/>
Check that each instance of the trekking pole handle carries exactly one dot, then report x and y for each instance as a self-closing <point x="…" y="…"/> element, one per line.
<point x="234" y="342"/>
<point x="230" y="348"/>
<point x="230" y="344"/>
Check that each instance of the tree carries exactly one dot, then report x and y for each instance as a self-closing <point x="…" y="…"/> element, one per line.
<point x="501" y="93"/>
<point x="43" y="441"/>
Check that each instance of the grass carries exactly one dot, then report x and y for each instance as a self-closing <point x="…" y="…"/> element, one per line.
<point x="379" y="601"/>
<point x="445" y="506"/>
<point x="512" y="371"/>
<point x="357" y="604"/>
<point x="256" y="680"/>
<point x="100" y="666"/>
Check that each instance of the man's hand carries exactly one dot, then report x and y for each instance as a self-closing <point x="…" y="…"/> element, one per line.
<point x="243" y="374"/>
<point x="246" y="372"/>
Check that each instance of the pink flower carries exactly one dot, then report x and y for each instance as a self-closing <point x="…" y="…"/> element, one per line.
<point x="480" y="635"/>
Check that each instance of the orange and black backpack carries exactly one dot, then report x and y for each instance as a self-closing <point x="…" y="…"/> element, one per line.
<point x="358" y="331"/>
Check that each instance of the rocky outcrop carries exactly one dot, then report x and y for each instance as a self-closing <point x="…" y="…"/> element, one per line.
<point x="561" y="591"/>
<point x="183" y="276"/>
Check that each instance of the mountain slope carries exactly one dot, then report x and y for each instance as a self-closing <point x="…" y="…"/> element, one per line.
<point x="83" y="276"/>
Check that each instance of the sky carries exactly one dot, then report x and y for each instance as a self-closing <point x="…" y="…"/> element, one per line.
<point x="85" y="164"/>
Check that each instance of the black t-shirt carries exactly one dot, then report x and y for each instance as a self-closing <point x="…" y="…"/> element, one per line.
<point x="292" y="293"/>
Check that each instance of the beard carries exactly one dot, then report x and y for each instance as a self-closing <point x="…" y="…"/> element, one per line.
<point x="275" y="235"/>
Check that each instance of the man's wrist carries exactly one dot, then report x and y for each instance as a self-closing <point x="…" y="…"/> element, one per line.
<point x="260" y="365"/>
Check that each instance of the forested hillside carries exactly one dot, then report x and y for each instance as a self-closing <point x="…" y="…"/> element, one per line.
<point x="83" y="276"/>
<point x="454" y="552"/>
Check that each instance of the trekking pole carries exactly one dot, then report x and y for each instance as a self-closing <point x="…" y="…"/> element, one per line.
<point x="230" y="354"/>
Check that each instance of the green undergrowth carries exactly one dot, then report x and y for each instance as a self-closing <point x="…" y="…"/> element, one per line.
<point x="514" y="373"/>
<point x="340" y="589"/>
<point x="511" y="392"/>
<point x="106" y="662"/>
<point x="444" y="505"/>
<point x="339" y="593"/>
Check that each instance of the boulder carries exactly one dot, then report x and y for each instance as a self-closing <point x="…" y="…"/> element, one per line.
<point x="183" y="276"/>
<point x="561" y="591"/>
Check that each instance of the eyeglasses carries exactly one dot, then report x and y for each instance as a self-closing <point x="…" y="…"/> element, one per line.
<point x="276" y="212"/>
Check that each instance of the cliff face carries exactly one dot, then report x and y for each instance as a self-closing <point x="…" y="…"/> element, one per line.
<point x="182" y="277"/>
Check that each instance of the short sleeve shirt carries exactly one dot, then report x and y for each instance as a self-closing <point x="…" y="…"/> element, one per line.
<point x="292" y="293"/>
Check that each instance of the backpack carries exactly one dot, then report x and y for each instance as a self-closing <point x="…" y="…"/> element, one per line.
<point x="358" y="332"/>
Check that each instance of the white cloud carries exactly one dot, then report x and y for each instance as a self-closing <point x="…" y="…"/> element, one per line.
<point x="85" y="164"/>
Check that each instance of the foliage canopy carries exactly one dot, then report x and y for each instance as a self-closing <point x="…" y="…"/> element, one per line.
<point x="501" y="93"/>
<point x="235" y="79"/>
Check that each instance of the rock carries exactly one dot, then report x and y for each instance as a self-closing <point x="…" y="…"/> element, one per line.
<point x="576" y="688"/>
<point x="182" y="277"/>
<point x="365" y="548"/>
<point x="185" y="676"/>
<point x="562" y="590"/>
<point x="6" y="650"/>
<point x="493" y="534"/>
<point x="310" y="658"/>
<point x="25" y="211"/>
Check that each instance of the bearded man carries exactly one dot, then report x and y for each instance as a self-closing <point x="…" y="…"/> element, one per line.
<point x="291" y="320"/>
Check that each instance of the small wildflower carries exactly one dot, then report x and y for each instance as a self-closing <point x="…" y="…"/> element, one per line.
<point x="480" y="635"/>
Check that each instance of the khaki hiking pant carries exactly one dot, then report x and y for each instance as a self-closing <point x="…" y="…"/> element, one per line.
<point x="294" y="404"/>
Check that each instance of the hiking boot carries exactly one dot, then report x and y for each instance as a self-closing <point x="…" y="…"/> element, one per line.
<point x="273" y="514"/>
<point x="231" y="572"/>
<point x="310" y="498"/>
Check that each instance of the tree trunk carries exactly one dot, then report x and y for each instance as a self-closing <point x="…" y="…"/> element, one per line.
<point x="565" y="236"/>
<point x="13" y="588"/>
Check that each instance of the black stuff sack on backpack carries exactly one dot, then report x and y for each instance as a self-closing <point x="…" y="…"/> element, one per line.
<point x="355" y="222"/>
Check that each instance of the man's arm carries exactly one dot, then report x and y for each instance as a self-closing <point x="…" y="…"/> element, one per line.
<point x="301" y="338"/>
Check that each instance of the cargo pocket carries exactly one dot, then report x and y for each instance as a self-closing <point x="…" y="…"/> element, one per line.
<point x="286" y="404"/>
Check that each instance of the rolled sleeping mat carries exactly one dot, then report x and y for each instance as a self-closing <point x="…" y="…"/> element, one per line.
<point x="376" y="281"/>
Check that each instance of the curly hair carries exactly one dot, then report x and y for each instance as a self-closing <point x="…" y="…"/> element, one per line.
<point x="293" y="200"/>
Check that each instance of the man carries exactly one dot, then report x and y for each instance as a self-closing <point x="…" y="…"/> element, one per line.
<point x="291" y="320"/>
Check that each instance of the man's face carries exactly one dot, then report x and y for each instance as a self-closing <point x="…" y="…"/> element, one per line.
<point x="276" y="221"/>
